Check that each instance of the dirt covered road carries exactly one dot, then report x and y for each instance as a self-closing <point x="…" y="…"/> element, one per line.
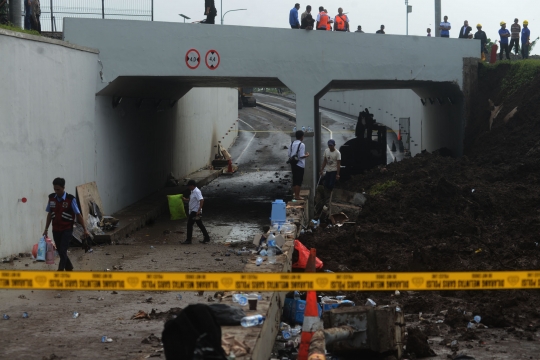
<point x="235" y="209"/>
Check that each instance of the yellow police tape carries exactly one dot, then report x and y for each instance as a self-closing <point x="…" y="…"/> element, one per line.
<point x="158" y="281"/>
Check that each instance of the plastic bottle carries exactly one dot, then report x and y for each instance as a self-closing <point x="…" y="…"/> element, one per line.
<point x="259" y="261"/>
<point x="296" y="295"/>
<point x="49" y="255"/>
<point x="253" y="320"/>
<point x="271" y="249"/>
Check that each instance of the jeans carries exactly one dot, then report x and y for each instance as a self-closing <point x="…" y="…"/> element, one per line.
<point x="62" y="239"/>
<point x="506" y="49"/>
<point x="190" y="222"/>
<point x="525" y="51"/>
<point x="27" y="16"/>
<point x="330" y="180"/>
<point x="514" y="44"/>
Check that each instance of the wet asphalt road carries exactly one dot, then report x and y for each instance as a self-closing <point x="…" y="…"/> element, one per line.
<point x="341" y="125"/>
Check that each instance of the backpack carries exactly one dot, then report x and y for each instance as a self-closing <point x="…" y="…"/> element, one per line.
<point x="194" y="335"/>
<point x="293" y="160"/>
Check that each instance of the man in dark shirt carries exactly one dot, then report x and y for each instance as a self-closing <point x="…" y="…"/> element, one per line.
<point x="481" y="35"/>
<point x="210" y="11"/>
<point x="307" y="22"/>
<point x="465" y="30"/>
<point x="381" y="31"/>
<point x="515" y="30"/>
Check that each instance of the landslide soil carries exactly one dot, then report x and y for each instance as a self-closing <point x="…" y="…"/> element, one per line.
<point x="473" y="213"/>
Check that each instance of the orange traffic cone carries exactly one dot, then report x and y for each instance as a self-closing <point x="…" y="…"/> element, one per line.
<point x="229" y="168"/>
<point x="312" y="322"/>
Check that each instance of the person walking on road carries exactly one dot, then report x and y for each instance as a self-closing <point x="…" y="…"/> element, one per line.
<point x="323" y="20"/>
<point x="515" y="30"/>
<point x="465" y="30"/>
<point x="306" y="13"/>
<point x="481" y="35"/>
<point x="62" y="210"/>
<point x="504" y="34"/>
<point x="210" y="11"/>
<point x="196" y="202"/>
<point x="525" y="40"/>
<point x="293" y="17"/>
<point x="445" y="27"/>
<point x="381" y="31"/>
<point x="297" y="160"/>
<point x="341" y="21"/>
<point x="332" y="164"/>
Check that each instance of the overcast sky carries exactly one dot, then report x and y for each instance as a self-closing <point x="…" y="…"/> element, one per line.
<point x="369" y="14"/>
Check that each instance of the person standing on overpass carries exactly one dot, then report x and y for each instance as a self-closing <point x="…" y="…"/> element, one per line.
<point x="210" y="11"/>
<point x="515" y="29"/>
<point x="306" y="13"/>
<point x="481" y="35"/>
<point x="323" y="20"/>
<point x="381" y="31"/>
<point x="298" y="150"/>
<point x="62" y="210"/>
<point x="504" y="34"/>
<point x="525" y="40"/>
<point x="341" y="21"/>
<point x="332" y="164"/>
<point x="293" y="17"/>
<point x="445" y="28"/>
<point x="465" y="30"/>
<point x="196" y="202"/>
<point x="359" y="30"/>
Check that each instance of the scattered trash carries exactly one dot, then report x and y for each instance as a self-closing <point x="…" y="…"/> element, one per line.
<point x="259" y="261"/>
<point x="5" y="317"/>
<point x="179" y="297"/>
<point x="90" y="251"/>
<point x="472" y="190"/>
<point x="105" y="339"/>
<point x="328" y="271"/>
<point x="140" y="316"/>
<point x="151" y="247"/>
<point x="101" y="298"/>
<point x="242" y="300"/>
<point x="114" y="293"/>
<point x="397" y="293"/>
<point x="75" y="315"/>
<point x="253" y="320"/>
<point x="370" y="302"/>
<point x="58" y="296"/>
<point x="398" y="309"/>
<point x="25" y="315"/>
<point x="478" y="251"/>
<point x="478" y="318"/>
<point x="79" y="299"/>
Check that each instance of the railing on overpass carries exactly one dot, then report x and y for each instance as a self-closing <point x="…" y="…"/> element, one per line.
<point x="53" y="12"/>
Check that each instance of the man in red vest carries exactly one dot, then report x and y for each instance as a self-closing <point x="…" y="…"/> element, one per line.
<point x="62" y="208"/>
<point x="341" y="21"/>
<point x="323" y="20"/>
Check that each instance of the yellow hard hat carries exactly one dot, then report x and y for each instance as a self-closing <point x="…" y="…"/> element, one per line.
<point x="479" y="25"/>
<point x="525" y="22"/>
<point x="503" y="23"/>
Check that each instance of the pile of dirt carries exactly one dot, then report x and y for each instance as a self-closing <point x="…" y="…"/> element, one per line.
<point x="479" y="212"/>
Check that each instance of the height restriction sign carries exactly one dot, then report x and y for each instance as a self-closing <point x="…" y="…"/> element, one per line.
<point x="212" y="59"/>
<point x="193" y="59"/>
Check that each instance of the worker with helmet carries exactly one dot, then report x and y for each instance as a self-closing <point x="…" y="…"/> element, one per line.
<point x="504" y="34"/>
<point x="481" y="35"/>
<point x="341" y="21"/>
<point x="323" y="20"/>
<point x="525" y="40"/>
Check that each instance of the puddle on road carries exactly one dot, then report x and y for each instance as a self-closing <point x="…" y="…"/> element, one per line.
<point x="222" y="233"/>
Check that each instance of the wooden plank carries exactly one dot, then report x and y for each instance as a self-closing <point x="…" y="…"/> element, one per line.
<point x="86" y="193"/>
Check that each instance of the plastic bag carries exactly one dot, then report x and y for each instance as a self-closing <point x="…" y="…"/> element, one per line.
<point x="42" y="249"/>
<point x="176" y="207"/>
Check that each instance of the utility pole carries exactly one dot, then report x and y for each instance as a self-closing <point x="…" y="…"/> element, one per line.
<point x="437" y="18"/>
<point x="15" y="13"/>
<point x="409" y="10"/>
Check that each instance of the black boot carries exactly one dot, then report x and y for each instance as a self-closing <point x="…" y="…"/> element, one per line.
<point x="187" y="242"/>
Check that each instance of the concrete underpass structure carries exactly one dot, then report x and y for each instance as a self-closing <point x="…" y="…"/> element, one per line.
<point x="165" y="60"/>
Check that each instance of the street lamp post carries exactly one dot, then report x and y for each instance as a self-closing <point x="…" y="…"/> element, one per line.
<point x="185" y="17"/>
<point x="223" y="17"/>
<point x="409" y="10"/>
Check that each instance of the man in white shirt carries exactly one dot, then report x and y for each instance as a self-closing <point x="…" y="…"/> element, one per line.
<point x="298" y="149"/>
<point x="196" y="202"/>
<point x="445" y="28"/>
<point x="332" y="163"/>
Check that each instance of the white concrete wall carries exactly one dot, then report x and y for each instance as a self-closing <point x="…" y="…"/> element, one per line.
<point x="52" y="124"/>
<point x="387" y="106"/>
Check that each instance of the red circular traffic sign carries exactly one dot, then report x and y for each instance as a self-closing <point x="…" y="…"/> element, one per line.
<point x="193" y="59"/>
<point x="212" y="59"/>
